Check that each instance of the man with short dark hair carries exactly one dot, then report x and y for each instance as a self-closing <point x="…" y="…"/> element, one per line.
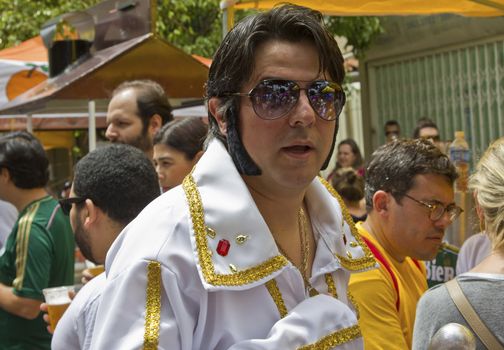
<point x="392" y="130"/>
<point x="410" y="203"/>
<point x="111" y="186"/>
<point x="427" y="129"/>
<point x="253" y="251"/>
<point x="39" y="252"/>
<point x="137" y="110"/>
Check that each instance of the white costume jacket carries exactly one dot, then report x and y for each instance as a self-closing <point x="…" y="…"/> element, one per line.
<point x="170" y="285"/>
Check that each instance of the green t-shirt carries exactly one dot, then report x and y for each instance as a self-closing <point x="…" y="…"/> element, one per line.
<point x="39" y="253"/>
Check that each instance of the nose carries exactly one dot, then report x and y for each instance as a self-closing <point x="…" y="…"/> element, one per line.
<point x="110" y="133"/>
<point x="303" y="113"/>
<point x="444" y="221"/>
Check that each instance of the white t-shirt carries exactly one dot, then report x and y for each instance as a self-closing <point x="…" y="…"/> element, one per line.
<point x="473" y="251"/>
<point x="8" y="217"/>
<point x="75" y="329"/>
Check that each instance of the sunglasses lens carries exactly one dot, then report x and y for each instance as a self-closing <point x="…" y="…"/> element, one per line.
<point x="272" y="99"/>
<point x="327" y="99"/>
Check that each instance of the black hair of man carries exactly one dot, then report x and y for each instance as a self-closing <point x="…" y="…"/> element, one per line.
<point x="119" y="179"/>
<point x="393" y="166"/>
<point x="184" y="135"/>
<point x="423" y="123"/>
<point x="233" y="65"/>
<point x="23" y="156"/>
<point x="151" y="99"/>
<point x="391" y="122"/>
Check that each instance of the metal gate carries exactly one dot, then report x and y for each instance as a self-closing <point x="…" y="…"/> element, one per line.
<point x="460" y="88"/>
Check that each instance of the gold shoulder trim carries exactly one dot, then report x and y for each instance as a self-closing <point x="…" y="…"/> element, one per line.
<point x="276" y="295"/>
<point x="331" y="287"/>
<point x="22" y="241"/>
<point x="334" y="339"/>
<point x="237" y="278"/>
<point x="351" y="264"/>
<point x="152" y="306"/>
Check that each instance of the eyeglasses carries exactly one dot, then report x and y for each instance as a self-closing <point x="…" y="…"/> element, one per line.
<point x="433" y="138"/>
<point x="274" y="98"/>
<point x="66" y="204"/>
<point x="437" y="210"/>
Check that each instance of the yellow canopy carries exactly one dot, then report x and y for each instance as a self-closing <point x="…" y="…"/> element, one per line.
<point x="477" y="8"/>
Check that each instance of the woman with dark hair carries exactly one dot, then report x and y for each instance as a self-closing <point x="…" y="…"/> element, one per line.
<point x="348" y="155"/>
<point x="178" y="146"/>
<point x="350" y="187"/>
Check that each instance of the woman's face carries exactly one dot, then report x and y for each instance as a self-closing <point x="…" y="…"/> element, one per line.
<point x="171" y="166"/>
<point x="346" y="157"/>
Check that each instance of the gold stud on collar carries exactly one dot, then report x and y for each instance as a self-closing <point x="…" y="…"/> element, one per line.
<point x="211" y="232"/>
<point x="240" y="239"/>
<point x="233" y="268"/>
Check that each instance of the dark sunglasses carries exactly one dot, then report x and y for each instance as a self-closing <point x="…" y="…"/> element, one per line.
<point x="434" y="138"/>
<point x="66" y="204"/>
<point x="274" y="98"/>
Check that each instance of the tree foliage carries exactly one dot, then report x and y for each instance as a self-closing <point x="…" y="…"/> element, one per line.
<point x="193" y="25"/>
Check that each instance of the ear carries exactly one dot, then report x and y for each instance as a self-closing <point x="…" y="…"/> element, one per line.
<point x="91" y="213"/>
<point x="197" y="157"/>
<point x="155" y="123"/>
<point x="213" y="108"/>
<point x="381" y="202"/>
<point x="4" y="175"/>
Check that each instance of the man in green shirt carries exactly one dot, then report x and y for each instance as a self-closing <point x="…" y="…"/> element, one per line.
<point x="39" y="252"/>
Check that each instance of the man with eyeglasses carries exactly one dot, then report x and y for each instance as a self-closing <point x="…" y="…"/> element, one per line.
<point x="111" y="186"/>
<point x="392" y="130"/>
<point x="410" y="203"/>
<point x="253" y="251"/>
<point x="39" y="252"/>
<point x="428" y="130"/>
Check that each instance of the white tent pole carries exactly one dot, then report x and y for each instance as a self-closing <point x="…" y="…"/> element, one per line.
<point x="227" y="7"/>
<point x="29" y="123"/>
<point x="92" y="125"/>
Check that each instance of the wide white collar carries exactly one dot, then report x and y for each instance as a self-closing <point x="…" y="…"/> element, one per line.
<point x="223" y="212"/>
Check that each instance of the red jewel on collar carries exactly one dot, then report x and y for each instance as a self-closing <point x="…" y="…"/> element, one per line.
<point x="223" y="247"/>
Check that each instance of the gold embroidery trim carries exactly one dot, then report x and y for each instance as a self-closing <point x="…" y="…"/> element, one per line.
<point x="331" y="288"/>
<point x="239" y="278"/>
<point x="351" y="298"/>
<point x="276" y="295"/>
<point x="152" y="306"/>
<point x="22" y="240"/>
<point x="334" y="339"/>
<point x="351" y="264"/>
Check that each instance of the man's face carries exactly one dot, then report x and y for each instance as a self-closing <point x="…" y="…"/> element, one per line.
<point x="171" y="166"/>
<point x="409" y="230"/>
<point x="81" y="235"/>
<point x="290" y="150"/>
<point x="392" y="132"/>
<point x="124" y="125"/>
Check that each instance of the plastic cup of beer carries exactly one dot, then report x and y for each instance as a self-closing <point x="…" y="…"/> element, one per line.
<point x="57" y="300"/>
<point x="96" y="270"/>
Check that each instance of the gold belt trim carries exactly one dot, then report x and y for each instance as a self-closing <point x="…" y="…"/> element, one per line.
<point x="334" y="339"/>
<point x="152" y="306"/>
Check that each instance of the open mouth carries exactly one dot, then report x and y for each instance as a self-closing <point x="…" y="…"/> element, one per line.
<point x="298" y="149"/>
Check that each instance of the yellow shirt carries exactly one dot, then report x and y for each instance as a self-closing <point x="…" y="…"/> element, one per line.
<point x="382" y="325"/>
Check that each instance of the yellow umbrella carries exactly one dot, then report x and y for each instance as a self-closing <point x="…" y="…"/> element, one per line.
<point x="477" y="8"/>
